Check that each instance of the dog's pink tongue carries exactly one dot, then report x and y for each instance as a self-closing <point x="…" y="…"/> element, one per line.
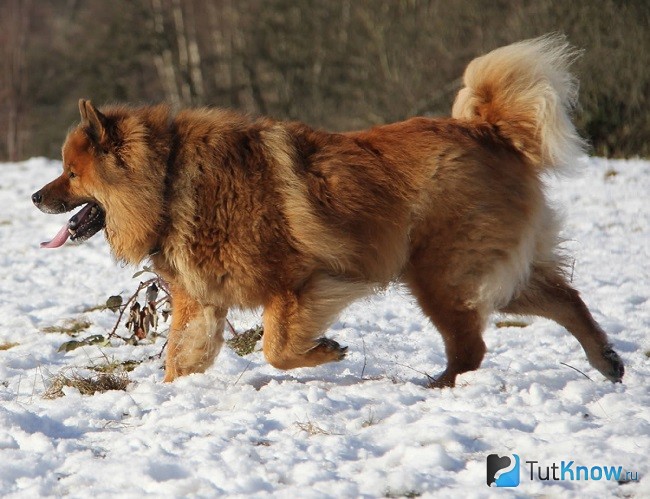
<point x="60" y="238"/>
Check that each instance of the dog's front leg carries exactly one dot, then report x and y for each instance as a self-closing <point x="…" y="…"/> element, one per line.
<point x="295" y="321"/>
<point x="195" y="336"/>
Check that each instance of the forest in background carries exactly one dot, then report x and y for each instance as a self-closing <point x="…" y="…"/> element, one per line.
<point x="334" y="64"/>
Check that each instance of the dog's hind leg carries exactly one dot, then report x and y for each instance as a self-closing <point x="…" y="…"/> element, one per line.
<point x="294" y="322"/>
<point x="461" y="329"/>
<point x="195" y="336"/>
<point x="460" y="325"/>
<point x="549" y="295"/>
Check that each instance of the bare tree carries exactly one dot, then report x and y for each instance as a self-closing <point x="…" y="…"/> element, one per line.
<point x="163" y="58"/>
<point x="194" y="62"/>
<point x="338" y="65"/>
<point x="15" y="20"/>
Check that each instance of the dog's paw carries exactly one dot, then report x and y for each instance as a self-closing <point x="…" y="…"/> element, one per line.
<point x="331" y="347"/>
<point x="614" y="369"/>
<point x="608" y="362"/>
<point x="443" y="380"/>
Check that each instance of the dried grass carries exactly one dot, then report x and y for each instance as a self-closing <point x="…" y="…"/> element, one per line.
<point x="87" y="384"/>
<point x="71" y="327"/>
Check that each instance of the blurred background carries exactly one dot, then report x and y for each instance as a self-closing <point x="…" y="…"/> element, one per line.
<point x="335" y="64"/>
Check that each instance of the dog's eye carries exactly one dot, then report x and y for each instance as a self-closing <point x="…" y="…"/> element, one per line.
<point x="72" y="175"/>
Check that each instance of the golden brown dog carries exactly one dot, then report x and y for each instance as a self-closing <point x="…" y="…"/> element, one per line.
<point x="242" y="212"/>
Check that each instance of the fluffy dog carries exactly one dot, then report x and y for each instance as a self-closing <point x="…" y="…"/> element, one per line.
<point x="241" y="212"/>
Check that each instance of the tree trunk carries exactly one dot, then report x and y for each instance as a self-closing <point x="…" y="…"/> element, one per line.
<point x="164" y="60"/>
<point x="17" y="26"/>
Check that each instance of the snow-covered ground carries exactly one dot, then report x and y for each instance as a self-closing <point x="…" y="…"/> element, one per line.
<point x="364" y="427"/>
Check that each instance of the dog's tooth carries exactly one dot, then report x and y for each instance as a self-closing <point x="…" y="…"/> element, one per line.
<point x="93" y="210"/>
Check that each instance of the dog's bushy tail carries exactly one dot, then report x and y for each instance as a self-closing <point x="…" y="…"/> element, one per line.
<point x="527" y="92"/>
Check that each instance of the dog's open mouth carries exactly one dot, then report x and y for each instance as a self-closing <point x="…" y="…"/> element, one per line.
<point x="81" y="226"/>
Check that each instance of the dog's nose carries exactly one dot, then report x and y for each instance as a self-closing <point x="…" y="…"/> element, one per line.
<point x="37" y="197"/>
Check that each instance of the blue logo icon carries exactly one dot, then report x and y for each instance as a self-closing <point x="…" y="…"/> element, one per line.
<point x="503" y="471"/>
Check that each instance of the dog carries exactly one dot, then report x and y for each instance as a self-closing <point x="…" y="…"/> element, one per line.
<point x="234" y="211"/>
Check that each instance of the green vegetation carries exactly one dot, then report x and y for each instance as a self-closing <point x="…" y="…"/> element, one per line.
<point x="115" y="366"/>
<point x="511" y="323"/>
<point x="244" y="343"/>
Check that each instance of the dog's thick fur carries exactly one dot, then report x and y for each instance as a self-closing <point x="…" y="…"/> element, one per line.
<point x="241" y="212"/>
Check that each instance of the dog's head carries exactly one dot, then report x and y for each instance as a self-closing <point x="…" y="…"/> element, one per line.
<point x="110" y="169"/>
<point x="74" y="187"/>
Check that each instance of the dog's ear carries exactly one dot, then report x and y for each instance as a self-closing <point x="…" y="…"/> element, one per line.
<point x="95" y="123"/>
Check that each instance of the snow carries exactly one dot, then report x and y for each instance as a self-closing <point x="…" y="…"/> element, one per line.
<point x="365" y="427"/>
